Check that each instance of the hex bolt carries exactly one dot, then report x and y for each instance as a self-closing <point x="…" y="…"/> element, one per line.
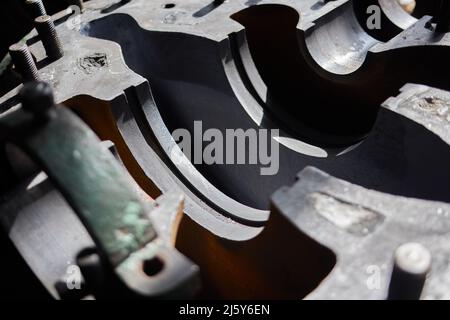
<point x="443" y="17"/>
<point x="37" y="98"/>
<point x="411" y="267"/>
<point x="49" y="37"/>
<point x="23" y="61"/>
<point x="35" y="8"/>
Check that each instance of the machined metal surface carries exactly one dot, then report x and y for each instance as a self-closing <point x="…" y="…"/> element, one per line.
<point x="206" y="47"/>
<point x="367" y="108"/>
<point x="364" y="228"/>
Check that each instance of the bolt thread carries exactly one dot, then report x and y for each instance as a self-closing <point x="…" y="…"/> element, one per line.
<point x="35" y="8"/>
<point x="23" y="62"/>
<point x="49" y="37"/>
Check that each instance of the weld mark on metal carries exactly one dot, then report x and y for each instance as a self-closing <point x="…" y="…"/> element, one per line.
<point x="352" y="218"/>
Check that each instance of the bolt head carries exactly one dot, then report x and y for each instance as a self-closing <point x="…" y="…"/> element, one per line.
<point x="18" y="47"/>
<point x="42" y="19"/>
<point x="37" y="97"/>
<point x="413" y="258"/>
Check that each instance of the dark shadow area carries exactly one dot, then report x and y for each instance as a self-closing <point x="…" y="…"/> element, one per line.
<point x="19" y="281"/>
<point x="193" y="86"/>
<point x="16" y="22"/>
<point x="36" y="241"/>
<point x="115" y="6"/>
<point x="318" y="111"/>
<point x="44" y="62"/>
<point x="426" y="8"/>
<point x="388" y="28"/>
<point x="9" y="80"/>
<point x="241" y="269"/>
<point x="252" y="2"/>
<point x="305" y="91"/>
<point x="399" y="157"/>
<point x="187" y="87"/>
<point x="207" y="9"/>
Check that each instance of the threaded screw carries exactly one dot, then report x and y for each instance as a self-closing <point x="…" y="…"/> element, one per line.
<point x="35" y="8"/>
<point x="49" y="37"/>
<point x="23" y="62"/>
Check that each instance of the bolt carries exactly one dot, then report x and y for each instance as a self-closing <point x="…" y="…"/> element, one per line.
<point x="443" y="17"/>
<point x="35" y="8"/>
<point x="23" y="62"/>
<point x="411" y="267"/>
<point x="49" y="37"/>
<point x="37" y="98"/>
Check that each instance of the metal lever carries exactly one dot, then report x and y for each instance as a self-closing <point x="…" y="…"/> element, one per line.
<point x="102" y="195"/>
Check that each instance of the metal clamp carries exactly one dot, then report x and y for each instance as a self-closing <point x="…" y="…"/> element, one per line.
<point x="101" y="194"/>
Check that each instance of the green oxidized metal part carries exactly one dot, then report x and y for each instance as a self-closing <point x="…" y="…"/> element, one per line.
<point x="88" y="176"/>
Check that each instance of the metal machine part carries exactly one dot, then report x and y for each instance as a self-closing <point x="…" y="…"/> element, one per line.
<point x="364" y="228"/>
<point x="121" y="228"/>
<point x="137" y="70"/>
<point x="146" y="119"/>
